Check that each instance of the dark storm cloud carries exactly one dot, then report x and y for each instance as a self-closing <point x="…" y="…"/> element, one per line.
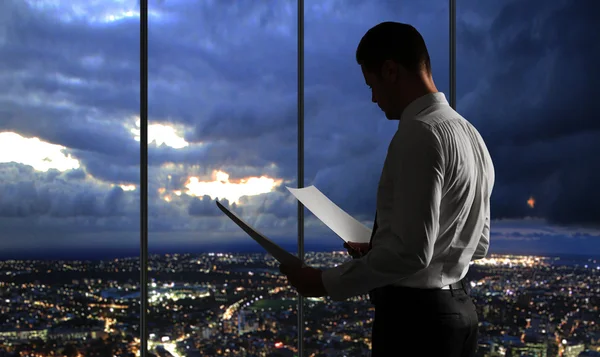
<point x="50" y="53"/>
<point x="110" y="140"/>
<point x="106" y="56"/>
<point x="77" y="174"/>
<point x="112" y="168"/>
<point x="70" y="84"/>
<point x="243" y="122"/>
<point x="535" y="109"/>
<point x="223" y="52"/>
<point x="206" y="207"/>
<point x="278" y="205"/>
<point x="52" y="194"/>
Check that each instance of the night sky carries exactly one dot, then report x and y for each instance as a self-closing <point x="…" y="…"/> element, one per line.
<point x="223" y="118"/>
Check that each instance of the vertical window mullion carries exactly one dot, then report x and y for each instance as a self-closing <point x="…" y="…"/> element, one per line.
<point x="300" y="165"/>
<point x="452" y="31"/>
<point x="143" y="177"/>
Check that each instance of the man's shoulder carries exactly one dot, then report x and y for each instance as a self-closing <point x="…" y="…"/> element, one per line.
<point x="439" y="114"/>
<point x="442" y="121"/>
<point x="418" y="132"/>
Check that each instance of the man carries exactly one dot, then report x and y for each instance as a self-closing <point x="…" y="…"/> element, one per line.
<point x="433" y="211"/>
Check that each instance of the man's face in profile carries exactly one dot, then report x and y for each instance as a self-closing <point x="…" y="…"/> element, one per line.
<point x="383" y="90"/>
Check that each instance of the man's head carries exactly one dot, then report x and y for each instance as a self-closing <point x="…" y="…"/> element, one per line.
<point x="396" y="66"/>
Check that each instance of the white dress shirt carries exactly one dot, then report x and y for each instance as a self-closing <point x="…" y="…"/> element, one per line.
<point x="433" y="205"/>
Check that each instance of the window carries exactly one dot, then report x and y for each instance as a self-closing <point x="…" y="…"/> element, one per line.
<point x="223" y="126"/>
<point x="525" y="74"/>
<point x="69" y="176"/>
<point x="223" y="119"/>
<point x="347" y="138"/>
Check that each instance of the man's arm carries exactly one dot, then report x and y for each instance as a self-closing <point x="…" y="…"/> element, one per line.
<point x="416" y="168"/>
<point x="484" y="241"/>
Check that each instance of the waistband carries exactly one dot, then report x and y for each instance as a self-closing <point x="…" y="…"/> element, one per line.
<point x="390" y="291"/>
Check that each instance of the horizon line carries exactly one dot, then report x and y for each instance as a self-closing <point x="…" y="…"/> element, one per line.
<point x="107" y="253"/>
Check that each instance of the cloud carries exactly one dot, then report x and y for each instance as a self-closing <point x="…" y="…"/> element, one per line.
<point x="30" y="193"/>
<point x="206" y="207"/>
<point x="279" y="204"/>
<point x="530" y="99"/>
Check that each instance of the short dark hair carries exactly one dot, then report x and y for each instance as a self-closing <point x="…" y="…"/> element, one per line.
<point x="395" y="41"/>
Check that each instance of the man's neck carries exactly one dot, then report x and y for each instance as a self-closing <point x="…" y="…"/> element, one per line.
<point x="422" y="85"/>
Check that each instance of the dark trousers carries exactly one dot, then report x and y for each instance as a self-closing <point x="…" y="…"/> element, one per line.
<point x="424" y="323"/>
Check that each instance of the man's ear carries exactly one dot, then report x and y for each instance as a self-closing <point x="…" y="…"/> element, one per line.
<point x="390" y="71"/>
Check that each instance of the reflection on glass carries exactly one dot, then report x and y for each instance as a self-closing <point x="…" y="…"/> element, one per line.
<point x="223" y="126"/>
<point x="346" y="142"/>
<point x="69" y="176"/>
<point x="525" y="71"/>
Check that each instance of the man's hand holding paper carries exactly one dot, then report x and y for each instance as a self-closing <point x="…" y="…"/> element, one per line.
<point x="307" y="280"/>
<point x="356" y="250"/>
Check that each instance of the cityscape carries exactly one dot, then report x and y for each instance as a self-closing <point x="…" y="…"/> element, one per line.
<point x="238" y="304"/>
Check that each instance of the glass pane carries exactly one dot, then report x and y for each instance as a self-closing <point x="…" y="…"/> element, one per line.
<point x="346" y="142"/>
<point x="69" y="176"/>
<point x="526" y="74"/>
<point x="223" y="126"/>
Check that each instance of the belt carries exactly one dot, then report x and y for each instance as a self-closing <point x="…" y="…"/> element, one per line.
<point x="461" y="285"/>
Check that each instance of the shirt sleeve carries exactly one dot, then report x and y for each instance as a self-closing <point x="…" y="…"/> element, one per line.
<point x="484" y="242"/>
<point x="416" y="167"/>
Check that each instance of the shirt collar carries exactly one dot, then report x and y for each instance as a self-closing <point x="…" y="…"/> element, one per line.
<point x="421" y="103"/>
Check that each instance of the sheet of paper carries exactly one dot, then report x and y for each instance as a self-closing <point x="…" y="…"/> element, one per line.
<point x="344" y="225"/>
<point x="282" y="255"/>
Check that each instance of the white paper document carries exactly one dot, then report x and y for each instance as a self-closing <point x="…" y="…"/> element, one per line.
<point x="282" y="255"/>
<point x="344" y="225"/>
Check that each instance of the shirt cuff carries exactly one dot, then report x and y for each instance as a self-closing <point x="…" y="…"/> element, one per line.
<point x="333" y="284"/>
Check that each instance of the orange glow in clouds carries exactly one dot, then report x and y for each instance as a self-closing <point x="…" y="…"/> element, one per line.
<point x="531" y="202"/>
<point x="220" y="186"/>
